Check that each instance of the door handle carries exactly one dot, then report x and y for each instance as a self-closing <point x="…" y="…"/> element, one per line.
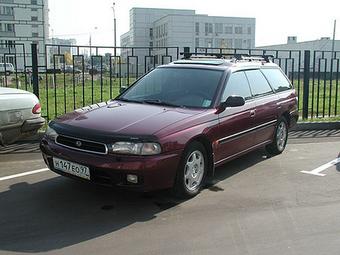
<point x="252" y="113"/>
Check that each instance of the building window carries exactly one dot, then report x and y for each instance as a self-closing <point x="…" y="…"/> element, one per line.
<point x="151" y="44"/>
<point x="228" y="30"/>
<point x="208" y="43"/>
<point x="161" y="31"/>
<point x="34" y="18"/>
<point x="208" y="28"/>
<point x="151" y="33"/>
<point x="249" y="44"/>
<point x="35" y="34"/>
<point x="166" y="29"/>
<point x="197" y="28"/>
<point x="238" y="30"/>
<point x="34" y="9"/>
<point x="238" y="43"/>
<point x="6" y="10"/>
<point x="35" y="26"/>
<point x="34" y="2"/>
<point x="218" y="43"/>
<point x="9" y="27"/>
<point x="157" y="32"/>
<point x="229" y="43"/>
<point x="218" y="28"/>
<point x="7" y="44"/>
<point x="197" y="42"/>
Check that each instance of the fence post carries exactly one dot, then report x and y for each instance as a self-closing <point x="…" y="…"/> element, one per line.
<point x="35" y="71"/>
<point x="306" y="77"/>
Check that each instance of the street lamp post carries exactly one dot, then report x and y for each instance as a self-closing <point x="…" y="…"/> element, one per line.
<point x="114" y="28"/>
<point x="90" y="40"/>
<point x="333" y="41"/>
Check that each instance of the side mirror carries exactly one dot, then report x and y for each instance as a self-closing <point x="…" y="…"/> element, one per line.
<point x="232" y="101"/>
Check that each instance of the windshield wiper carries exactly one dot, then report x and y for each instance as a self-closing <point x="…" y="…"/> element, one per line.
<point x="160" y="102"/>
<point x="129" y="100"/>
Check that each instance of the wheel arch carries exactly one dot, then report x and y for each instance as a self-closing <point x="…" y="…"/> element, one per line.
<point x="204" y="140"/>
<point x="286" y="115"/>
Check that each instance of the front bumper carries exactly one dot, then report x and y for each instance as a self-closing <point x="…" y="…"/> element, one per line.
<point x="154" y="172"/>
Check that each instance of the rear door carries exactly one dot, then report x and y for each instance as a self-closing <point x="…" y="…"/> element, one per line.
<point x="236" y="123"/>
<point x="266" y="111"/>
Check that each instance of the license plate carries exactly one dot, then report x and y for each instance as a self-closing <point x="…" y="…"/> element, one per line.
<point x="71" y="168"/>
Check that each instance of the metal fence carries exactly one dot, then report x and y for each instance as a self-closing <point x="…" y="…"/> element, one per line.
<point x="72" y="76"/>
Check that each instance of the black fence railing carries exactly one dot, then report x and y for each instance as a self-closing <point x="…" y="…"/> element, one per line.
<point x="67" y="77"/>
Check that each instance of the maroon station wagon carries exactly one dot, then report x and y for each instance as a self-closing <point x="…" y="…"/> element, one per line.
<point x="175" y="125"/>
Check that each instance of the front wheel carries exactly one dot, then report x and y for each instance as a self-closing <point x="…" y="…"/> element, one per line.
<point x="280" y="138"/>
<point x="192" y="171"/>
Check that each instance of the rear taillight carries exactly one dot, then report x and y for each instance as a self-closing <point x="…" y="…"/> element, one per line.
<point x="36" y="109"/>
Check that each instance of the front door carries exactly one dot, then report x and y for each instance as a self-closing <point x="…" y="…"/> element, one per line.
<point x="235" y="124"/>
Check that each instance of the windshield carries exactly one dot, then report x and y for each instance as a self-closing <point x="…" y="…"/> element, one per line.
<point x="184" y="87"/>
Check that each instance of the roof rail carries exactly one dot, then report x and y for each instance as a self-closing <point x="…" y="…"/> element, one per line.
<point x="232" y="56"/>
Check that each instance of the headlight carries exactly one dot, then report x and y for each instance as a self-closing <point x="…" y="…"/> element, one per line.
<point x="136" y="148"/>
<point x="51" y="133"/>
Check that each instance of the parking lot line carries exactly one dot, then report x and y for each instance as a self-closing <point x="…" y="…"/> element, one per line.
<point x="23" y="174"/>
<point x="317" y="171"/>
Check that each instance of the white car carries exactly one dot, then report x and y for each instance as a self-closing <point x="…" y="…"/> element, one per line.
<point x="20" y="115"/>
<point x="7" y="68"/>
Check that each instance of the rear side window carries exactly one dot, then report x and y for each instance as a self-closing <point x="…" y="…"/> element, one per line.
<point x="258" y="83"/>
<point x="276" y="79"/>
<point x="237" y="86"/>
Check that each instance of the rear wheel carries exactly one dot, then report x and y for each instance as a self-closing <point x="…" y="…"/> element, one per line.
<point x="192" y="171"/>
<point x="280" y="138"/>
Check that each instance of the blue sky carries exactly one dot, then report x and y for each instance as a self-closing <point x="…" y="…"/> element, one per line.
<point x="275" y="20"/>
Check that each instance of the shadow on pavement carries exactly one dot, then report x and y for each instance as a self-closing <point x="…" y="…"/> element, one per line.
<point x="235" y="166"/>
<point x="59" y="212"/>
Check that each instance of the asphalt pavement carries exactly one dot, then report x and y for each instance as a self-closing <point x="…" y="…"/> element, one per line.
<point x="256" y="204"/>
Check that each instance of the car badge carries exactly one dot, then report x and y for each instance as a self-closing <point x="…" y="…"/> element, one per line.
<point x="79" y="143"/>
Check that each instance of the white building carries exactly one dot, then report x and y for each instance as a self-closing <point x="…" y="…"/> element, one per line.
<point x="151" y="27"/>
<point x="22" y="22"/>
<point x="320" y="53"/>
<point x="323" y="44"/>
<point x="57" y="48"/>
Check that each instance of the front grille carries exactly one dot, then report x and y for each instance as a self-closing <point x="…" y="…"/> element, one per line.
<point x="81" y="144"/>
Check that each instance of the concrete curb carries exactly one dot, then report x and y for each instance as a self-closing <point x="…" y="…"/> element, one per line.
<point x="316" y="126"/>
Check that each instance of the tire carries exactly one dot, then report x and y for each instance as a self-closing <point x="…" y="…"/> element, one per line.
<point x="280" y="138"/>
<point x="191" y="172"/>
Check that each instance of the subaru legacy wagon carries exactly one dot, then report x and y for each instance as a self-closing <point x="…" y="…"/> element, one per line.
<point x="175" y="125"/>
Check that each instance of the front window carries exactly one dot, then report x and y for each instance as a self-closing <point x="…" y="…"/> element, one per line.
<point x="237" y="86"/>
<point x="183" y="87"/>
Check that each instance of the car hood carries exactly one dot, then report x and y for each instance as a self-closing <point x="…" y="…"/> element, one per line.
<point x="126" y="118"/>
